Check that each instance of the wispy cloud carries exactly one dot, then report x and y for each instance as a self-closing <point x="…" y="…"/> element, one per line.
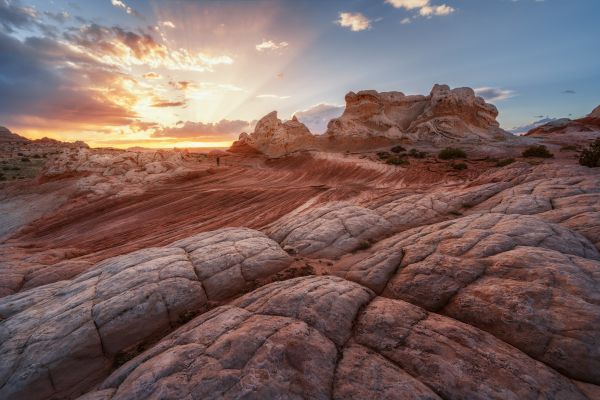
<point x="494" y="94"/>
<point x="424" y="8"/>
<point x="355" y="21"/>
<point x="203" y="130"/>
<point x="568" y="91"/>
<point x="270" y="45"/>
<point x="122" y="5"/>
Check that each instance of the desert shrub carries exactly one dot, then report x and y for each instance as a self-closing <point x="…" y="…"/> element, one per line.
<point x="590" y="157"/>
<point x="15" y="169"/>
<point x="570" y="147"/>
<point x="397" y="160"/>
<point x="5" y="168"/>
<point x="459" y="166"/>
<point x="20" y="154"/>
<point x="540" y="151"/>
<point x="2" y="177"/>
<point x="505" y="162"/>
<point x="383" y="155"/>
<point x="451" y="153"/>
<point x="365" y="244"/>
<point x="36" y="156"/>
<point x="417" y="154"/>
<point x="25" y="159"/>
<point x="397" y="149"/>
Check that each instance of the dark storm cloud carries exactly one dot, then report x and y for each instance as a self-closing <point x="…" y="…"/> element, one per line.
<point x="44" y="79"/>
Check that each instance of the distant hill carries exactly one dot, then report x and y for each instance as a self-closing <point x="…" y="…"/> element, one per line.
<point x="7" y="136"/>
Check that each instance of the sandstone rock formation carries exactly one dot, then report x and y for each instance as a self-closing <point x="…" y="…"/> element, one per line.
<point x="423" y="283"/>
<point x="276" y="138"/>
<point x="372" y="119"/>
<point x="595" y="113"/>
<point x="445" y="116"/>
<point x="58" y="339"/>
<point x="314" y="338"/>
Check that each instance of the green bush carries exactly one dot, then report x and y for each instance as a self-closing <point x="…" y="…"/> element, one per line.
<point x="459" y="166"/>
<point x="397" y="160"/>
<point x="537" y="151"/>
<point x="25" y="159"/>
<point x="417" y="154"/>
<point x="590" y="157"/>
<point x="397" y="149"/>
<point x="383" y="155"/>
<point x="450" y="153"/>
<point x="505" y="162"/>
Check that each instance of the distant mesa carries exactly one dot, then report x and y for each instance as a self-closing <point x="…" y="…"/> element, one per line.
<point x="563" y="126"/>
<point x="7" y="136"/>
<point x="373" y="119"/>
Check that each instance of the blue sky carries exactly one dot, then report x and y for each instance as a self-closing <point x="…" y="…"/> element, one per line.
<point x="168" y="72"/>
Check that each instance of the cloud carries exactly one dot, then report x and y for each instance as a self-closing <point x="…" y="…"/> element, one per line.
<point x="494" y="94"/>
<point x="45" y="81"/>
<point x="182" y="85"/>
<point x="15" y="16"/>
<point x="60" y="17"/>
<point x="119" y="47"/>
<point x="152" y="75"/>
<point x="355" y="21"/>
<point x="318" y="116"/>
<point x="168" y="24"/>
<point x="568" y="91"/>
<point x="270" y="45"/>
<point x="424" y="8"/>
<point x="211" y="131"/>
<point x="405" y="21"/>
<point x="526" y="128"/>
<point x="436" y="10"/>
<point x="121" y="4"/>
<point x="160" y="103"/>
<point x="272" y="96"/>
<point x="408" y="4"/>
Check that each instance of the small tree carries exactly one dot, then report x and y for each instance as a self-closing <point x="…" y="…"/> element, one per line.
<point x="450" y="153"/>
<point x="397" y="149"/>
<point x="590" y="157"/>
<point x="537" y="151"/>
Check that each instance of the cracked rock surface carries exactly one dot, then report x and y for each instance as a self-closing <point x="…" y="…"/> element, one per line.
<point x="383" y="348"/>
<point x="59" y="339"/>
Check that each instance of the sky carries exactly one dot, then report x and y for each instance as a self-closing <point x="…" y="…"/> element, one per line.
<point x="184" y="73"/>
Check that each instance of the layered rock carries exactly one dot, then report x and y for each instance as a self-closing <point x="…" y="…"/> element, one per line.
<point x="275" y="138"/>
<point x="444" y="116"/>
<point x="595" y="113"/>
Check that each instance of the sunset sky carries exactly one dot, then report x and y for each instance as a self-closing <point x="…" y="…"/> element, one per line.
<point x="164" y="73"/>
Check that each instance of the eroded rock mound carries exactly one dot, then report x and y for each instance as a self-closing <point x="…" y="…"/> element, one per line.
<point x="528" y="282"/>
<point x="314" y="338"/>
<point x="59" y="339"/>
<point x="442" y="117"/>
<point x="329" y="231"/>
<point x="275" y="138"/>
